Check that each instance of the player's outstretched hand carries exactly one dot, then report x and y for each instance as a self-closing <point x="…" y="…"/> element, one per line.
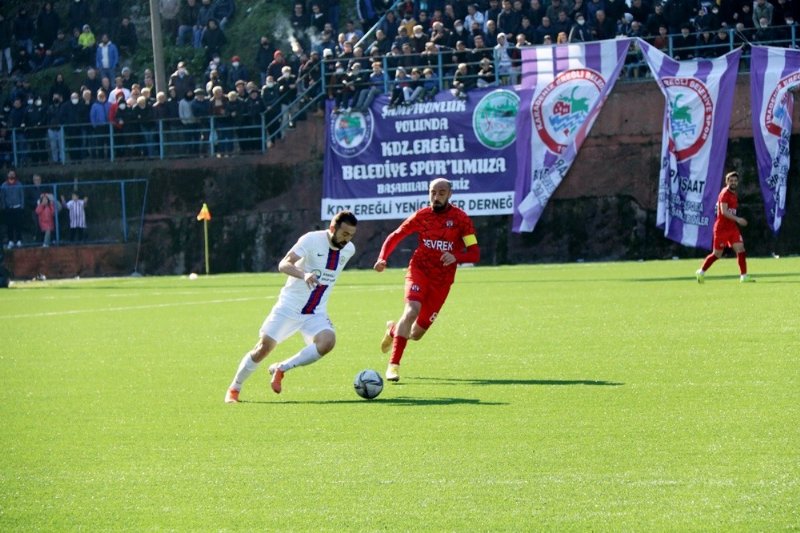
<point x="380" y="265"/>
<point x="742" y="222"/>
<point x="448" y="259"/>
<point x="311" y="280"/>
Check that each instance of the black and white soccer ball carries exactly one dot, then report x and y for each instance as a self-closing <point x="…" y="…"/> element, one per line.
<point x="368" y="384"/>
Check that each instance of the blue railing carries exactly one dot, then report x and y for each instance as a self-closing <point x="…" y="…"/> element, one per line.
<point x="219" y="137"/>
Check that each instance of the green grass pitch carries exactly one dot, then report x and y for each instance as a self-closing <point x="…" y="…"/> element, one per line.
<point x="611" y="397"/>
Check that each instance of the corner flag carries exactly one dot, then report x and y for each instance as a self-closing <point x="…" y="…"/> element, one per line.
<point x="204" y="213"/>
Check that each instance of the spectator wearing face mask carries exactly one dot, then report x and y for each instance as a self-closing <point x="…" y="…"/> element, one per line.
<point x="237" y="72"/>
<point x="579" y="33"/>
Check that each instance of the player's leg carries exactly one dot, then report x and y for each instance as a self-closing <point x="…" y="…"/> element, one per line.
<point x="277" y="327"/>
<point x="741" y="258"/>
<point x="248" y="365"/>
<point x="320" y="337"/>
<point x="402" y="332"/>
<point x="434" y="301"/>
<point x="716" y="253"/>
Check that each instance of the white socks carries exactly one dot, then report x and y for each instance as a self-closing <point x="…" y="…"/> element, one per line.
<point x="306" y="356"/>
<point x="246" y="367"/>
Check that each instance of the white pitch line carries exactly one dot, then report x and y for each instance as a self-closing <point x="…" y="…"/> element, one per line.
<point x="133" y="307"/>
<point x="174" y="304"/>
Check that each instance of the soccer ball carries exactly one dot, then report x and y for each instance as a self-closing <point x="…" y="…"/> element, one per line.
<point x="368" y="384"/>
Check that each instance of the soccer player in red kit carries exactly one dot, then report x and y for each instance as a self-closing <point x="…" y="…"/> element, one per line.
<point x="446" y="237"/>
<point x="726" y="231"/>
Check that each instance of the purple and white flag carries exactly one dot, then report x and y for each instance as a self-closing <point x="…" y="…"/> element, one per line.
<point x="562" y="91"/>
<point x="696" y="118"/>
<point x="773" y="72"/>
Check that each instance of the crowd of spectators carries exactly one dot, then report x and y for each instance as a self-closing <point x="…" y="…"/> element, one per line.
<point x="416" y="49"/>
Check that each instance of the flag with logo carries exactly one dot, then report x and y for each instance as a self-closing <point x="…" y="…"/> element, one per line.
<point x="773" y="73"/>
<point x="562" y="91"/>
<point x="699" y="97"/>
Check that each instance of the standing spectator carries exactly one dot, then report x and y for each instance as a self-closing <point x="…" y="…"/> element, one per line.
<point x="189" y="30"/>
<point x="677" y="13"/>
<point x="683" y="45"/>
<point x="17" y="122"/>
<point x="36" y="121"/>
<point x="579" y="33"/>
<point x="98" y="117"/>
<point x="126" y="37"/>
<point x="77" y="216"/>
<point x="237" y="72"/>
<point x="264" y="57"/>
<point x="143" y="127"/>
<point x="6" y="31"/>
<point x="32" y="196"/>
<point x="188" y="122"/>
<point x="272" y="108"/>
<point x="287" y="88"/>
<point x="74" y="122"/>
<point x="655" y="20"/>
<point x="213" y="39"/>
<point x="106" y="57"/>
<point x="47" y="24"/>
<point x="762" y="9"/>
<point x="275" y="69"/>
<point x="55" y="121"/>
<point x="12" y="201"/>
<point x="182" y="80"/>
<point x="23" y="30"/>
<point x="502" y="59"/>
<point x="604" y="27"/>
<point x="92" y="82"/>
<point x="253" y="108"/>
<point x="46" y="218"/>
<point x="119" y="88"/>
<point x="201" y="110"/>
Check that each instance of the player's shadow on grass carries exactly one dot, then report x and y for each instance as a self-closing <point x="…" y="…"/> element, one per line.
<point x="539" y="382"/>
<point x="403" y="401"/>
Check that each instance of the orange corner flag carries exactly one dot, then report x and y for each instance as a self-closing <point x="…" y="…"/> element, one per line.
<point x="204" y="213"/>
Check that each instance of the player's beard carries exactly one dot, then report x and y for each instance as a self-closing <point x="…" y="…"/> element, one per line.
<point x="337" y="244"/>
<point x="438" y="208"/>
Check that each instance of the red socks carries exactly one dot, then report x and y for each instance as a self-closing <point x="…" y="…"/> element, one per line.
<point x="742" y="259"/>
<point x="398" y="347"/>
<point x="708" y="262"/>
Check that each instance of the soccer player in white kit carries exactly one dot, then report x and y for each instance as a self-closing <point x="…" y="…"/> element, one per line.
<point x="313" y="265"/>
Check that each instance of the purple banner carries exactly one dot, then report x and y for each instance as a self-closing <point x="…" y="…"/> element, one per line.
<point x="562" y="91"/>
<point x="699" y="97"/>
<point x="378" y="164"/>
<point x="773" y="73"/>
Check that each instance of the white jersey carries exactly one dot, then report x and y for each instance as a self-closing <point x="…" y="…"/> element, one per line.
<point x="327" y="263"/>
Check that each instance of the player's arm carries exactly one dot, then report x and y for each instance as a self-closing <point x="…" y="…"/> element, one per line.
<point x="392" y="240"/>
<point x="726" y="212"/>
<point x="288" y="266"/>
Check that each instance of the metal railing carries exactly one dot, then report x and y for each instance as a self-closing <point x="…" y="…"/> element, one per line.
<point x="224" y="136"/>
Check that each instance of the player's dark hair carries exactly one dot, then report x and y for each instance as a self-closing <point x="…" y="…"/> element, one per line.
<point x="730" y="174"/>
<point x="344" y="217"/>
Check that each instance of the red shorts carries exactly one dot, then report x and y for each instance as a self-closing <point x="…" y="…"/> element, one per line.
<point x="726" y="239"/>
<point x="430" y="293"/>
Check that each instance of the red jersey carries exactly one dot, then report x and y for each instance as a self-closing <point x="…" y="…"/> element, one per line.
<point x="723" y="224"/>
<point x="448" y="231"/>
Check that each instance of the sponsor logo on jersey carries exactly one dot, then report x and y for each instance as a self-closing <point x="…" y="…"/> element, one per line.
<point x="437" y="244"/>
<point x="494" y="120"/>
<point x="449" y="223"/>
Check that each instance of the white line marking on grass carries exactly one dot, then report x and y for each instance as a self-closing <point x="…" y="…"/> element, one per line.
<point x="134" y="307"/>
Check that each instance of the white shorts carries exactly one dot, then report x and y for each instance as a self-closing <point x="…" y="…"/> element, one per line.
<point x="282" y="323"/>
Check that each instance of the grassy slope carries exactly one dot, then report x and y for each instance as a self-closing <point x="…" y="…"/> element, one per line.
<point x="594" y="396"/>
